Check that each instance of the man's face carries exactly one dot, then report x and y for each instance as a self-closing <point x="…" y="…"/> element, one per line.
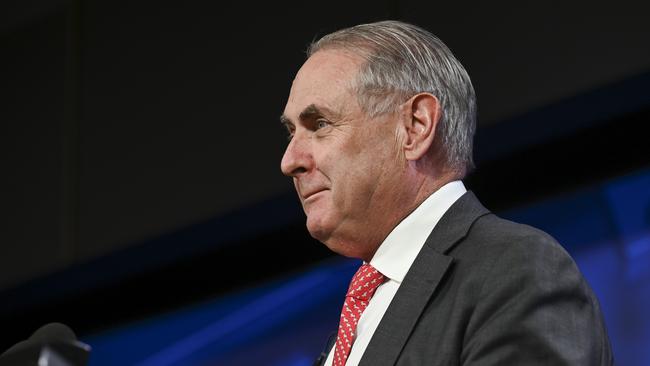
<point x="344" y="165"/>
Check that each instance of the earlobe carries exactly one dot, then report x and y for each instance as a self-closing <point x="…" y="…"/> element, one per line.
<point x="423" y="112"/>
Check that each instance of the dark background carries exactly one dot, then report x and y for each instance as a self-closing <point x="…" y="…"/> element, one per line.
<point x="140" y="142"/>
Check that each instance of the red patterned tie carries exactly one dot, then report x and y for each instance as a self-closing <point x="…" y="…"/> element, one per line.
<point x="362" y="287"/>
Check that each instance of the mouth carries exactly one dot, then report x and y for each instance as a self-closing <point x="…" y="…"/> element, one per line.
<point x="307" y="196"/>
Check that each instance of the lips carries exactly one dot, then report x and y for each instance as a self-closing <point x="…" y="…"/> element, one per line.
<point x="311" y="193"/>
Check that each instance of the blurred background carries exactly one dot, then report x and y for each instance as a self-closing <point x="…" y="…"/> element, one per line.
<point x="142" y="200"/>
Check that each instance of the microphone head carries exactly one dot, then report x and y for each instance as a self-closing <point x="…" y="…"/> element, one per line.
<point x="53" y="332"/>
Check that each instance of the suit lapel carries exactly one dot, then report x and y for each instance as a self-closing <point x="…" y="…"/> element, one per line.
<point x="420" y="282"/>
<point x="455" y="223"/>
<point x="406" y="307"/>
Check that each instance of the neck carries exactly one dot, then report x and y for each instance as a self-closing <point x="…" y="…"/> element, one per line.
<point x="421" y="186"/>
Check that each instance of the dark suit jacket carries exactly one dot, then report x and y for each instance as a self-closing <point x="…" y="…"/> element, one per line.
<point x="487" y="291"/>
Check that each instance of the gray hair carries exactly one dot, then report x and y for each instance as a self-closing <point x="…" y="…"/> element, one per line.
<point x="402" y="60"/>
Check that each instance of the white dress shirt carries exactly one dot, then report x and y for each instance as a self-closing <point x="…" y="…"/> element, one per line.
<point x="394" y="258"/>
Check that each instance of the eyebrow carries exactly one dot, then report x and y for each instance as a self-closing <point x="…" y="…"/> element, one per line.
<point x="310" y="112"/>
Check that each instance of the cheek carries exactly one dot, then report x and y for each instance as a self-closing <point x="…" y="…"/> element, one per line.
<point x="355" y="168"/>
<point x="355" y="186"/>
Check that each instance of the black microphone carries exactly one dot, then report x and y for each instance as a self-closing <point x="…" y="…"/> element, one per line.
<point x="53" y="331"/>
<point x="328" y="346"/>
<point x="53" y="344"/>
<point x="47" y="333"/>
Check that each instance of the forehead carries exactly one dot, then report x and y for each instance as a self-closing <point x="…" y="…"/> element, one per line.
<point x="325" y="79"/>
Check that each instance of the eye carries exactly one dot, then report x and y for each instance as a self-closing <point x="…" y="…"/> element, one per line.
<point x="322" y="123"/>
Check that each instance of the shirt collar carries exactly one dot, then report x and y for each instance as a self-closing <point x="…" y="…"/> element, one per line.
<point x="396" y="254"/>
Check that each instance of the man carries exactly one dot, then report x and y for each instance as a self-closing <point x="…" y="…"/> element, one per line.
<point x="381" y="119"/>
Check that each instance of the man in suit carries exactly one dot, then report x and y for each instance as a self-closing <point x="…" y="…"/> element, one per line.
<point x="381" y="119"/>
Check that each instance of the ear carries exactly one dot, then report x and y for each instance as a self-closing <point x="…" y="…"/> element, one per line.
<point x="422" y="113"/>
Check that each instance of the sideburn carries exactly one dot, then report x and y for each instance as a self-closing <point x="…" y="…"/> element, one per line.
<point x="398" y="143"/>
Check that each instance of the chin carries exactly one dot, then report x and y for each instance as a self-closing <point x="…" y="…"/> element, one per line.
<point x="318" y="230"/>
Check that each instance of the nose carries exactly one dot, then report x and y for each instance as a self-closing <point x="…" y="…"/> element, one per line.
<point x="297" y="157"/>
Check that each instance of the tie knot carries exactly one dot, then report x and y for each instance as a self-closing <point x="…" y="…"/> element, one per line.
<point x="365" y="282"/>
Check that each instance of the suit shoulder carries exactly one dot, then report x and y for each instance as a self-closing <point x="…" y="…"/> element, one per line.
<point x="520" y="278"/>
<point x="498" y="251"/>
<point x="496" y="234"/>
